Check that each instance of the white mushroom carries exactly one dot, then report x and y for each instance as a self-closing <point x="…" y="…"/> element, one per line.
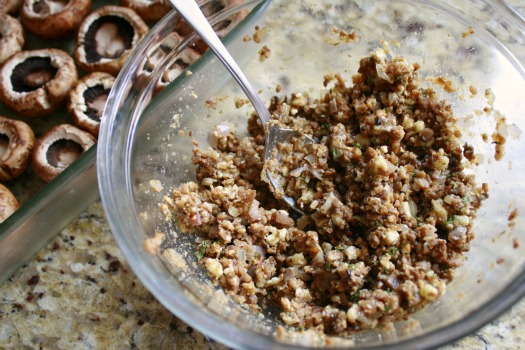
<point x="150" y="10"/>
<point x="11" y="37"/>
<point x="10" y="6"/>
<point x="16" y="144"/>
<point x="35" y="83"/>
<point x="58" y="148"/>
<point x="54" y="19"/>
<point x="87" y="100"/>
<point x="106" y="38"/>
<point x="8" y="203"/>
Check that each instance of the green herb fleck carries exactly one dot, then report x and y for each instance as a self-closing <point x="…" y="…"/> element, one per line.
<point x="202" y="249"/>
<point x="389" y="290"/>
<point x="450" y="220"/>
<point x="358" y="145"/>
<point x="393" y="251"/>
<point x="354" y="298"/>
<point x="325" y="125"/>
<point x="335" y="153"/>
<point x="340" y="248"/>
<point x="375" y="141"/>
<point x="387" y="308"/>
<point x="379" y="224"/>
<point x="327" y="267"/>
<point x="352" y="266"/>
<point x="297" y="133"/>
<point x="300" y="328"/>
<point x="465" y="200"/>
<point x="419" y="220"/>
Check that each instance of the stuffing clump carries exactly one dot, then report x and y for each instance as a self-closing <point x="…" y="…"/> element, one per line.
<point x="390" y="206"/>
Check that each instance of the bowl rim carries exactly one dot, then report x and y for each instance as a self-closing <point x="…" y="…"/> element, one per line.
<point x="226" y="333"/>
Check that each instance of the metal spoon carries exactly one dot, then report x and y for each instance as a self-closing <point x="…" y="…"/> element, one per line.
<point x="191" y="12"/>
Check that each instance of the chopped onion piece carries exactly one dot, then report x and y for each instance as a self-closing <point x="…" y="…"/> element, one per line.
<point x="298" y="171"/>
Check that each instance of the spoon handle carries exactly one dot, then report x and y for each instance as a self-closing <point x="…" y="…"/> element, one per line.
<point x="191" y="12"/>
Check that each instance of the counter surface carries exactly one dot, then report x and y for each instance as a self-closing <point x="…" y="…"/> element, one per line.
<point x="79" y="293"/>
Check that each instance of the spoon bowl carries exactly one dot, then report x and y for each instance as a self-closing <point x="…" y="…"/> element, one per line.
<point x="193" y="15"/>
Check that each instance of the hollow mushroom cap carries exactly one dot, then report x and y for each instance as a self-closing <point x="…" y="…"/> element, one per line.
<point x="87" y="100"/>
<point x="106" y="38"/>
<point x="11" y="37"/>
<point x="10" y="6"/>
<point x="17" y="141"/>
<point x="8" y="203"/>
<point x="221" y="28"/>
<point x="35" y="83"/>
<point x="148" y="10"/>
<point x="54" y="19"/>
<point x="58" y="148"/>
<point x="180" y="63"/>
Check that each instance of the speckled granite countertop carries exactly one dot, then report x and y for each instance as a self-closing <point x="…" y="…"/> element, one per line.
<point x="79" y="293"/>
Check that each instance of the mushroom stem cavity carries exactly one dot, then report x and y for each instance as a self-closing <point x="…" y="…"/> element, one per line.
<point x="54" y="19"/>
<point x="106" y="38"/>
<point x="63" y="153"/>
<point x="48" y="7"/>
<point x="96" y="98"/>
<point x="58" y="149"/>
<point x="35" y="83"/>
<point x="32" y="74"/>
<point x="112" y="36"/>
<point x="88" y="99"/>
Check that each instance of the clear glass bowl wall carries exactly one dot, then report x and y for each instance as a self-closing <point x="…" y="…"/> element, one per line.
<point x="141" y="141"/>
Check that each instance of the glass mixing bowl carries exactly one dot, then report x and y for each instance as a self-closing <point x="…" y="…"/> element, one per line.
<point x="144" y="147"/>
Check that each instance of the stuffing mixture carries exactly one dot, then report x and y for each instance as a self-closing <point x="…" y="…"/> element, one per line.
<point x="388" y="201"/>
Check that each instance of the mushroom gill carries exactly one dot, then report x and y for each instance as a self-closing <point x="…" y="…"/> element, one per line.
<point x="32" y="74"/>
<point x="108" y="37"/>
<point x="96" y="98"/>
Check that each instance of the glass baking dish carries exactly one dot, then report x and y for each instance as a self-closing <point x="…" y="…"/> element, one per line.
<point x="45" y="209"/>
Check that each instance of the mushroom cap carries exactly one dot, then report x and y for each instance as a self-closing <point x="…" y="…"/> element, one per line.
<point x="221" y="28"/>
<point x="17" y="143"/>
<point x="87" y="100"/>
<point x="54" y="19"/>
<point x="106" y="38"/>
<point x="58" y="148"/>
<point x="148" y="10"/>
<point x="35" y="83"/>
<point x="10" y="6"/>
<point x="8" y="203"/>
<point x="179" y="64"/>
<point x="11" y="37"/>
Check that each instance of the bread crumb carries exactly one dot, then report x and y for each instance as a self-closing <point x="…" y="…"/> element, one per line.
<point x="468" y="32"/>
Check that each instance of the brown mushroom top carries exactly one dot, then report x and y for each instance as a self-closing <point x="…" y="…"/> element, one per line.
<point x="8" y="203"/>
<point x="88" y="99"/>
<point x="35" y="83"/>
<point x="58" y="148"/>
<point x="11" y="37"/>
<point x="10" y="6"/>
<point x="54" y="19"/>
<point x="151" y="10"/>
<point x="16" y="144"/>
<point x="106" y="38"/>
